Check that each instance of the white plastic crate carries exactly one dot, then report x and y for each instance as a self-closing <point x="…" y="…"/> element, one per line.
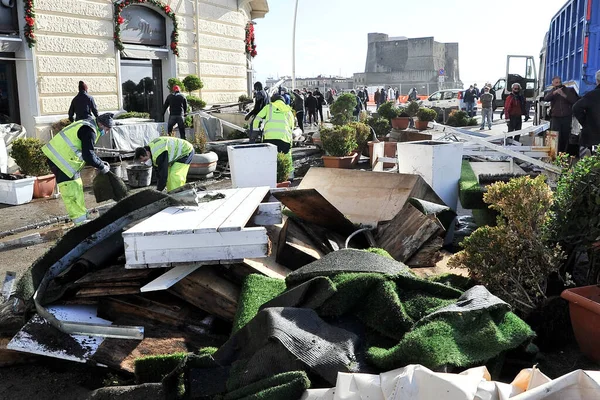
<point x="16" y="192"/>
<point x="253" y="165"/>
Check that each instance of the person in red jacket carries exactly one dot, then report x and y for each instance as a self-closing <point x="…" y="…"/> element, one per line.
<point x="514" y="108"/>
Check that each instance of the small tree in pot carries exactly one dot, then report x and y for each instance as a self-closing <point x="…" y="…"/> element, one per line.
<point x="284" y="169"/>
<point x="425" y="116"/>
<point x="342" y="109"/>
<point x="338" y="143"/>
<point x="27" y="153"/>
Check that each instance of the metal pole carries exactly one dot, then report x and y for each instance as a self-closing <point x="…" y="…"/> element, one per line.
<point x="294" y="48"/>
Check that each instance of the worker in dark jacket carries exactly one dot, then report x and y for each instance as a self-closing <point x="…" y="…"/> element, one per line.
<point x="320" y="103"/>
<point x="177" y="105"/>
<point x="514" y="108"/>
<point x="311" y="108"/>
<point x="261" y="99"/>
<point x="587" y="112"/>
<point x="171" y="157"/>
<point x="562" y="99"/>
<point x="298" y="106"/>
<point x="71" y="150"/>
<point x="83" y="105"/>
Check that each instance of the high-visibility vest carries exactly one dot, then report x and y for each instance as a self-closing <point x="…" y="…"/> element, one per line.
<point x="175" y="148"/>
<point x="278" y="125"/>
<point x="64" y="149"/>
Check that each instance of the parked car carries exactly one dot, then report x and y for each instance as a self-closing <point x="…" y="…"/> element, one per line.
<point x="448" y="99"/>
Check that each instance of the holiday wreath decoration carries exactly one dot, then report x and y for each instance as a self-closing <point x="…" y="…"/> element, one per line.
<point x="119" y="20"/>
<point x="250" y="46"/>
<point x="29" y="30"/>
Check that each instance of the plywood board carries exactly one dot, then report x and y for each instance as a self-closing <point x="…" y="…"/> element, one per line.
<point x="367" y="197"/>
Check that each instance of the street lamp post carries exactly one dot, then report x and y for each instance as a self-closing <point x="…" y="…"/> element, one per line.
<point x="294" y="48"/>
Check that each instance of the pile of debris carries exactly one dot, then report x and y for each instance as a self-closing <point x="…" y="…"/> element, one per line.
<point x="222" y="294"/>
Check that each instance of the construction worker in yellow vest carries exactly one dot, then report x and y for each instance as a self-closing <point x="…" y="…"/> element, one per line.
<point x="276" y="119"/>
<point x="71" y="150"/>
<point x="172" y="157"/>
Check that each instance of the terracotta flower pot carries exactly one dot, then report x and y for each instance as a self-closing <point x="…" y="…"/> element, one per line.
<point x="284" y="184"/>
<point x="389" y="151"/>
<point x="44" y="186"/>
<point x="339" y="162"/>
<point x="584" y="308"/>
<point x="421" y="125"/>
<point x="400" y="123"/>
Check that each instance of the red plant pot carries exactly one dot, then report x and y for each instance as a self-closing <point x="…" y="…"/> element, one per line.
<point x="44" y="186"/>
<point x="339" y="162"/>
<point x="284" y="184"/>
<point x="400" y="123"/>
<point x="584" y="308"/>
<point x="421" y="125"/>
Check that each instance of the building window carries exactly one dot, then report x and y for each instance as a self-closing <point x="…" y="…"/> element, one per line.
<point x="143" y="26"/>
<point x="8" y="18"/>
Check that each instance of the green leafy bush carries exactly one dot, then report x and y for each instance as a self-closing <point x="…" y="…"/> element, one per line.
<point x="189" y="121"/>
<point x="426" y="114"/>
<point x="381" y="126"/>
<point x="284" y="167"/>
<point x="458" y="118"/>
<point x="244" y="99"/>
<point x="511" y="259"/>
<point x="339" y="141"/>
<point x="28" y="155"/>
<point x="388" y="110"/>
<point x="575" y="214"/>
<point x="192" y="83"/>
<point x="60" y="125"/>
<point x="133" y="114"/>
<point x="195" y="103"/>
<point x="412" y="109"/>
<point x="199" y="142"/>
<point x="362" y="134"/>
<point x="175" y="82"/>
<point x="472" y="122"/>
<point x="342" y="109"/>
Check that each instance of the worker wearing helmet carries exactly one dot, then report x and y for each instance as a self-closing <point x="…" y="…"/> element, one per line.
<point x="277" y="122"/>
<point x="68" y="152"/>
<point x="177" y="105"/>
<point x="172" y="157"/>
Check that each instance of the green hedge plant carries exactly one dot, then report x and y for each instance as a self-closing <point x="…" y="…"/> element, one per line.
<point x="284" y="167"/>
<point x="339" y="141"/>
<point x="192" y="83"/>
<point x="195" y="103"/>
<point x="388" y="110"/>
<point x="175" y="82"/>
<point x="342" y="109"/>
<point x="28" y="155"/>
<point x="426" y="114"/>
<point x="380" y="125"/>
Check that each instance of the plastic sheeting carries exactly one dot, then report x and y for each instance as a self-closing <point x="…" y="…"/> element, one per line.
<point x="130" y="137"/>
<point x="9" y="133"/>
<point x="416" y="382"/>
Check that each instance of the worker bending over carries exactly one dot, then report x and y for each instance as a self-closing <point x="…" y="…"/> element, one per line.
<point x="68" y="152"/>
<point x="277" y="122"/>
<point x="172" y="157"/>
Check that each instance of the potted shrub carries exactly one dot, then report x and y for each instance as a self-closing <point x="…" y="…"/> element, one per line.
<point x="284" y="169"/>
<point x="244" y="100"/>
<point x="381" y="126"/>
<point x="28" y="155"/>
<point x="425" y="116"/>
<point x="204" y="163"/>
<point x="342" y="109"/>
<point x="363" y="132"/>
<point x="338" y="144"/>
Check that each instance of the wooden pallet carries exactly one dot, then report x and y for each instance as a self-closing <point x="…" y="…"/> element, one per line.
<point x="213" y="231"/>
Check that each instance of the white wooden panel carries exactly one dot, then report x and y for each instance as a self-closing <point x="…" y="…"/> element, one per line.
<point x="241" y="215"/>
<point x="170" y="278"/>
<point x="216" y="219"/>
<point x="154" y="223"/>
<point x="247" y="236"/>
<point x="194" y="254"/>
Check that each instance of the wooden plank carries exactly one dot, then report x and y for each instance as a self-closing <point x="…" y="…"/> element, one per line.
<point x="205" y="289"/>
<point x="170" y="278"/>
<point x="295" y="248"/>
<point x="114" y="274"/>
<point x="378" y="152"/>
<point x="428" y="255"/>
<point x="311" y="206"/>
<point x="406" y="233"/>
<point x="106" y="291"/>
<point x="367" y="197"/>
<point x="243" y="212"/>
<point x="267" y="214"/>
<point x="193" y="254"/>
<point x="11" y="357"/>
<point x="216" y="219"/>
<point x="169" y="311"/>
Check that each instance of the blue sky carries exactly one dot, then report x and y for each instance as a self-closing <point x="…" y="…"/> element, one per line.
<point x="331" y="36"/>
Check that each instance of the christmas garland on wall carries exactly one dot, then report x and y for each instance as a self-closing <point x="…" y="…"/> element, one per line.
<point x="29" y="30"/>
<point x="249" y="40"/>
<point x="119" y="20"/>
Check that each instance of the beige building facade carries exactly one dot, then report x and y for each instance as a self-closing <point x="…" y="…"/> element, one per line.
<point x="75" y="40"/>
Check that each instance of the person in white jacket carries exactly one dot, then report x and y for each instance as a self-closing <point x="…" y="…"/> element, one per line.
<point x="391" y="95"/>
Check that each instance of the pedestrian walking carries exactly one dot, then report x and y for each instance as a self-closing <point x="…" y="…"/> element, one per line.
<point x="311" y="108"/>
<point x="329" y="97"/>
<point x="514" y="108"/>
<point x="412" y="94"/>
<point x="397" y="95"/>
<point x="469" y="99"/>
<point x="299" y="108"/>
<point x="562" y="99"/>
<point x="486" y="108"/>
<point x="358" y="108"/>
<point x="587" y="112"/>
<point x="376" y="97"/>
<point x="83" y="106"/>
<point x="366" y="95"/>
<point x="391" y="94"/>
<point x="320" y="103"/>
<point x="177" y="105"/>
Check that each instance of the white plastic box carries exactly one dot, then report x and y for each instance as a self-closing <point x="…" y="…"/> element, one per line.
<point x="16" y="192"/>
<point x="439" y="163"/>
<point x="253" y="165"/>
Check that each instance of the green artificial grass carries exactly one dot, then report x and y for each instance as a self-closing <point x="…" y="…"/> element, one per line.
<point x="485" y="216"/>
<point x="288" y="385"/>
<point x="381" y="252"/>
<point x="453" y="280"/>
<point x="152" y="369"/>
<point x="455" y="339"/>
<point x="256" y="291"/>
<point x="469" y="189"/>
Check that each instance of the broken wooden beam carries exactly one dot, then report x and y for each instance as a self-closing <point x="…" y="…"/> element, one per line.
<point x="428" y="255"/>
